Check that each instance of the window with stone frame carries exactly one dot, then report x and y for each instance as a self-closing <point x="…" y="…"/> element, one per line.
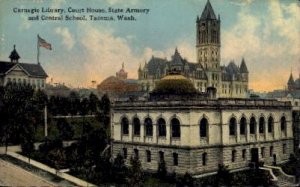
<point x="203" y="127"/>
<point x="271" y="151"/>
<point x="283" y="123"/>
<point x="270" y="124"/>
<point x="136" y="153"/>
<point x="149" y="127"/>
<point x="161" y="156"/>
<point x="232" y="126"/>
<point x="161" y="127"/>
<point x="252" y="125"/>
<point x="233" y="155"/>
<point x="125" y="126"/>
<point x="125" y="153"/>
<point x="175" y="159"/>
<point x="243" y="124"/>
<point x="136" y="126"/>
<point x="148" y="155"/>
<point x="204" y="159"/>
<point x="175" y="126"/>
<point x="261" y="125"/>
<point x="244" y="154"/>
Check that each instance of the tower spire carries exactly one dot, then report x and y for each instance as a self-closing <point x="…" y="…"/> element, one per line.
<point x="208" y="12"/>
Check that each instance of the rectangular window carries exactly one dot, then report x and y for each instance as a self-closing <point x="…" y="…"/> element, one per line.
<point x="161" y="156"/>
<point x="233" y="154"/>
<point x="175" y="159"/>
<point x="271" y="151"/>
<point x="244" y="154"/>
<point x="125" y="153"/>
<point x="148" y="156"/>
<point x="136" y="153"/>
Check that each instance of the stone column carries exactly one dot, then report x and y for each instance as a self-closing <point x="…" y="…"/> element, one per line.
<point x="248" y="131"/>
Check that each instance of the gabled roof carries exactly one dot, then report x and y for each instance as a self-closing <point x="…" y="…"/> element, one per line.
<point x="208" y="12"/>
<point x="34" y="70"/>
<point x="232" y="68"/>
<point x="176" y="59"/>
<point x="154" y="64"/>
<point x="243" y="68"/>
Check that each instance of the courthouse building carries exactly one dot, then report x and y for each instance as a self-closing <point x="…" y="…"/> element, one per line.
<point x="193" y="130"/>
<point x="207" y="71"/>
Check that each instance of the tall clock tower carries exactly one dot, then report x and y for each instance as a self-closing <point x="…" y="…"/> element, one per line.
<point x="208" y="39"/>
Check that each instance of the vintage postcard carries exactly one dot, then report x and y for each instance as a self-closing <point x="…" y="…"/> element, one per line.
<point x="149" y="92"/>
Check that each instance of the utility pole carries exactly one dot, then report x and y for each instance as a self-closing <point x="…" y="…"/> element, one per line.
<point x="45" y="120"/>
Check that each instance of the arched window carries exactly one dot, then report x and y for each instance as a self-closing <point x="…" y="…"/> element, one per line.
<point x="203" y="127"/>
<point x="175" y="126"/>
<point x="204" y="159"/>
<point x="125" y="126"/>
<point x="149" y="127"/>
<point x="161" y="127"/>
<point x="243" y="124"/>
<point x="232" y="126"/>
<point x="136" y="126"/>
<point x="252" y="125"/>
<point x="270" y="124"/>
<point x="283" y="123"/>
<point x="261" y="125"/>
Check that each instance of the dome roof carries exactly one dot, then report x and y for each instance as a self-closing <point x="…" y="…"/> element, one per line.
<point x="175" y="84"/>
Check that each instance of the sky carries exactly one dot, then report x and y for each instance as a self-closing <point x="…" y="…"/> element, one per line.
<point x="265" y="32"/>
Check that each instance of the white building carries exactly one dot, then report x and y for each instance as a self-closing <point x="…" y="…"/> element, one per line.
<point x="22" y="73"/>
<point x="195" y="132"/>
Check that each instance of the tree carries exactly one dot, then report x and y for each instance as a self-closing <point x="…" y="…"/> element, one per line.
<point x="162" y="170"/>
<point x="84" y="107"/>
<point x="57" y="158"/>
<point x="93" y="100"/>
<point x="224" y="177"/>
<point x="135" y="173"/>
<point x="104" y="114"/>
<point x="66" y="131"/>
<point x="74" y="102"/>
<point x="119" y="169"/>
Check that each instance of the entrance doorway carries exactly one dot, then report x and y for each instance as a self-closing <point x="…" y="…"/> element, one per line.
<point x="254" y="155"/>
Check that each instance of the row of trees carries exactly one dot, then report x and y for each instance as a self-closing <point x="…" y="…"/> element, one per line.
<point x="74" y="105"/>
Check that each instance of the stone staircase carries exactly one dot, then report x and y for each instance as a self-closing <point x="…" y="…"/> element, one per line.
<point x="280" y="178"/>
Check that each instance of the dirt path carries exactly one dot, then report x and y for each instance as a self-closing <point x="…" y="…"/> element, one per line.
<point x="11" y="175"/>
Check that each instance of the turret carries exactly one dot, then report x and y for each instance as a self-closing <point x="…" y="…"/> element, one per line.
<point x="244" y="70"/>
<point x="291" y="83"/>
<point x="14" y="56"/>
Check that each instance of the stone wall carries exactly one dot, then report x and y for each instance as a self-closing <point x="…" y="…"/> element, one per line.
<point x="191" y="159"/>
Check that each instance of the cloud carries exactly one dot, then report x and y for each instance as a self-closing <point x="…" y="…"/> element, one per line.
<point x="130" y="2"/>
<point x="241" y="2"/>
<point x="25" y="23"/>
<point x="67" y="38"/>
<point x="267" y="41"/>
<point x="105" y="54"/>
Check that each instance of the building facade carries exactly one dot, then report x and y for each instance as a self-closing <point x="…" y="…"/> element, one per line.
<point x="22" y="73"/>
<point x="194" y="132"/>
<point x="207" y="71"/>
